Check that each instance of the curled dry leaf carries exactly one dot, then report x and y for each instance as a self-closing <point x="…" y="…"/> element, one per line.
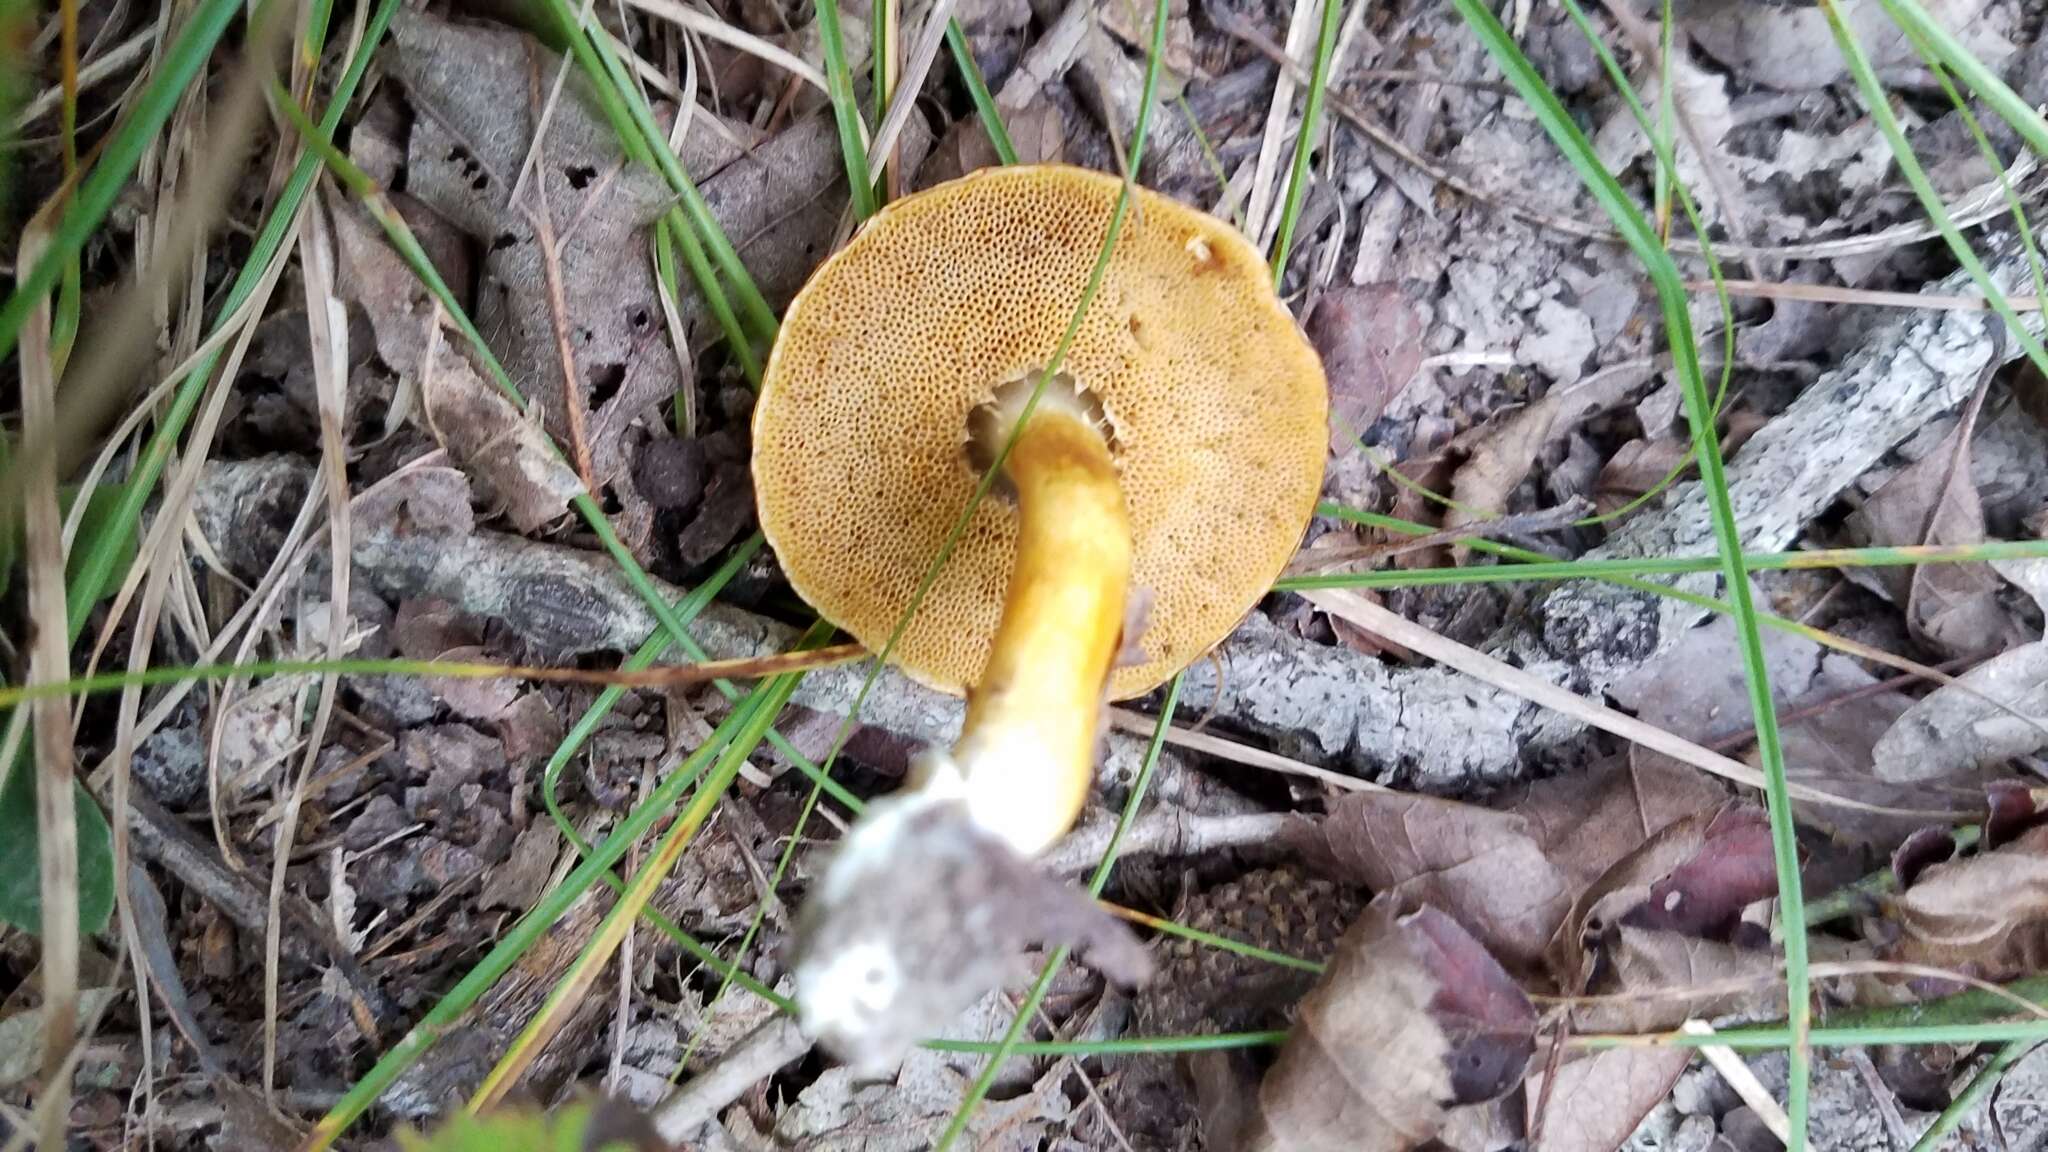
<point x="1502" y="452"/>
<point x="1370" y="340"/>
<point x="1955" y="609"/>
<point x="1411" y="1016"/>
<point x="1639" y="466"/>
<point x="1036" y="131"/>
<point x="1985" y="914"/>
<point x="1657" y="979"/>
<point x="497" y="445"/>
<point x="1693" y="877"/>
<point x="1958" y="728"/>
<point x="1482" y="868"/>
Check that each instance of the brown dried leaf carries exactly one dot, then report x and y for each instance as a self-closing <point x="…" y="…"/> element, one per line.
<point x="1430" y="473"/>
<point x="1588" y="822"/>
<point x="1370" y="340"/>
<point x="1792" y="48"/>
<point x="1646" y="964"/>
<point x="517" y="882"/>
<point x="417" y="500"/>
<point x="1503" y="451"/>
<point x="1036" y="130"/>
<point x="1598" y="1099"/>
<point x="1639" y="466"/>
<point x="1482" y="868"/>
<point x="529" y="729"/>
<point x="1366" y="1065"/>
<point x="1697" y="690"/>
<point x="1953" y="608"/>
<point x="495" y="444"/>
<point x="473" y="698"/>
<point x="423" y="629"/>
<point x="1985" y="914"/>
<point x="1695" y="876"/>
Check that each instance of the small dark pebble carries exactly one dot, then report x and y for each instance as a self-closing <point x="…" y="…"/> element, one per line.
<point x="727" y="511"/>
<point x="670" y="473"/>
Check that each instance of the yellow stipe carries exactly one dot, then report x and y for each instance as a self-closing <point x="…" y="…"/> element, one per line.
<point x="1027" y="747"/>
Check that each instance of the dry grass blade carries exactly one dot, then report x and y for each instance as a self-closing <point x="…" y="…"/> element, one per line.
<point x="327" y="336"/>
<point x="1142" y="725"/>
<point x="1301" y="30"/>
<point x="56" y="823"/>
<point x="121" y="56"/>
<point x="1365" y="614"/>
<point x="712" y="28"/>
<point x="920" y="65"/>
<point x="1834" y="294"/>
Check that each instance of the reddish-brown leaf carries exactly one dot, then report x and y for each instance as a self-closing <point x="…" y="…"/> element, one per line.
<point x="1696" y="873"/>
<point x="1588" y="822"/>
<point x="1370" y="340"/>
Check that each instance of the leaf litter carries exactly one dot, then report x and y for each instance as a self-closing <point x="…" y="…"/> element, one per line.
<point x="1491" y="349"/>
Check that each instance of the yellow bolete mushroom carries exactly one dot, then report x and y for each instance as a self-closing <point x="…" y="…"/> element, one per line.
<point x="1171" y="460"/>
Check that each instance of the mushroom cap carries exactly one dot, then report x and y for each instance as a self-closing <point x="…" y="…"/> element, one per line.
<point x="1215" y="399"/>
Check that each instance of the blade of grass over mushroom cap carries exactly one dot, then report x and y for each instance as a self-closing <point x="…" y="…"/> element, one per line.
<point x="977" y="91"/>
<point x="1305" y="137"/>
<point x="785" y="443"/>
<point x="1642" y="240"/>
<point x="985" y="1081"/>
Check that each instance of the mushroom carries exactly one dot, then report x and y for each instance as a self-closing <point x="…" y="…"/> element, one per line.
<point x="1171" y="460"/>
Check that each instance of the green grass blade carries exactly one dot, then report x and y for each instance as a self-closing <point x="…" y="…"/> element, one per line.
<point x="96" y="570"/>
<point x="95" y="194"/>
<point x="1029" y="1008"/>
<point x="99" y="557"/>
<point x="526" y="931"/>
<point x="2009" y="105"/>
<point x="1879" y="105"/>
<point x="1642" y="239"/>
<point x="1305" y="137"/>
<point x="703" y="242"/>
<point x="846" y="111"/>
<point x="977" y="91"/>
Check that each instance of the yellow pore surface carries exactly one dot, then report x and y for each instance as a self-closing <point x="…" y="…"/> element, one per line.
<point x="1217" y="402"/>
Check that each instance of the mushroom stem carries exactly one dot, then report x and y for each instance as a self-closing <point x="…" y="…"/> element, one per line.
<point x="1026" y="751"/>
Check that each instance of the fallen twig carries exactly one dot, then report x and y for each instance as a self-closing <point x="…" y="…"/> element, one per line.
<point x="771" y="1045"/>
